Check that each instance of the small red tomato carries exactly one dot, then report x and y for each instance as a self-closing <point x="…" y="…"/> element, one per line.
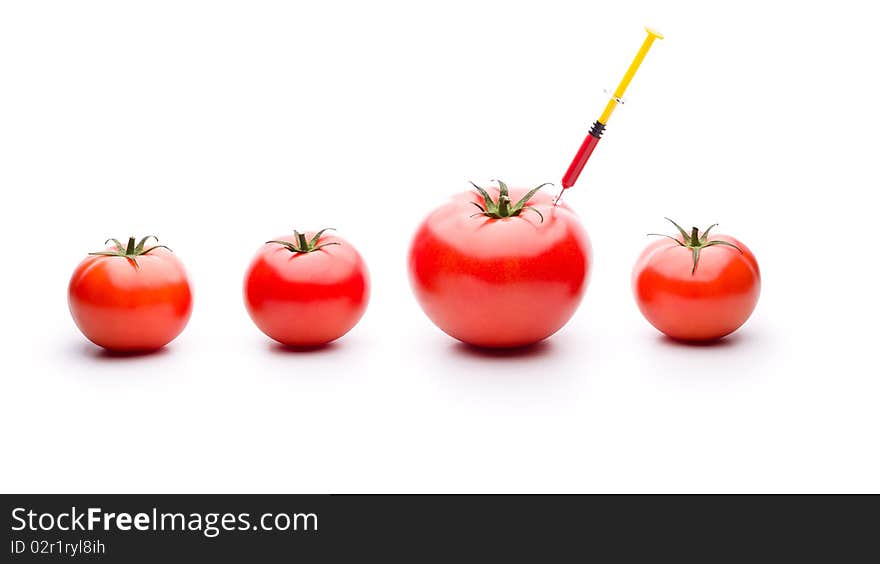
<point x="306" y="289"/>
<point x="490" y="274"/>
<point x="130" y="298"/>
<point x="696" y="288"/>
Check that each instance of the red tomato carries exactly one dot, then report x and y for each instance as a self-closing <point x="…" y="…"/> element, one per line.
<point x="694" y="287"/>
<point x="490" y="274"/>
<point x="130" y="298"/>
<point x="306" y="289"/>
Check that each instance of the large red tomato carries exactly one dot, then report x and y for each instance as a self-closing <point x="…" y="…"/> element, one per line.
<point x="694" y="287"/>
<point x="500" y="268"/>
<point x="306" y="289"/>
<point x="130" y="298"/>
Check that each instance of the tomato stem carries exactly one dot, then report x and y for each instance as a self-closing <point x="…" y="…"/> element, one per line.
<point x="131" y="251"/>
<point x="504" y="207"/>
<point x="694" y="241"/>
<point x="301" y="239"/>
<point x="304" y="245"/>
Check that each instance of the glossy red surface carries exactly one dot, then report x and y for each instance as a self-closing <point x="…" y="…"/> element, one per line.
<point x="500" y="282"/>
<point x="123" y="307"/>
<point x="712" y="302"/>
<point x="306" y="299"/>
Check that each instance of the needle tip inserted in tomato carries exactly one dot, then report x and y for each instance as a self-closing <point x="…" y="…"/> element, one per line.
<point x="592" y="139"/>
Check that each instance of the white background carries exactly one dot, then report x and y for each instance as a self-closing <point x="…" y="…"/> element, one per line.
<point x="217" y="125"/>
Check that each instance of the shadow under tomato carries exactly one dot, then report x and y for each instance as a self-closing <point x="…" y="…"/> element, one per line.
<point x="535" y="350"/>
<point x="731" y="340"/>
<point x="98" y="353"/>
<point x="544" y="371"/>
<point x="281" y="349"/>
<point x="739" y="356"/>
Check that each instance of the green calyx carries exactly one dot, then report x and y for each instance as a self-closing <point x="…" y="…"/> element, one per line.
<point x="130" y="251"/>
<point x="503" y="207"/>
<point x="695" y="241"/>
<point x="303" y="244"/>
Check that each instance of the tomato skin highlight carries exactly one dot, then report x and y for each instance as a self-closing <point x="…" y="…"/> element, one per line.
<point x="712" y="302"/>
<point x="500" y="283"/>
<point x="124" y="308"/>
<point x="307" y="299"/>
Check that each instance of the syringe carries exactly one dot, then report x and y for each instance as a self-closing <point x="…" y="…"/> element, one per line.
<point x="592" y="138"/>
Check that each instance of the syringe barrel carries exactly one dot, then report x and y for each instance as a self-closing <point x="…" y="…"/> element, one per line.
<point x="583" y="155"/>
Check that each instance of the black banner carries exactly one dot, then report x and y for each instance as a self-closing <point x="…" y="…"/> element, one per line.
<point x="414" y="528"/>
